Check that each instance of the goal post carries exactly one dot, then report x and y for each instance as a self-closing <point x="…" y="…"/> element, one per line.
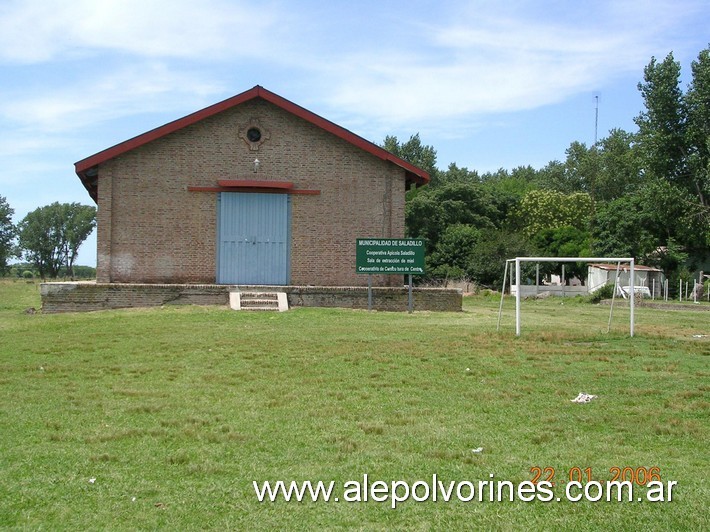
<point x="519" y="260"/>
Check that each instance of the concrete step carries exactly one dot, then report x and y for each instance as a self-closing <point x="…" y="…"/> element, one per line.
<point x="250" y="302"/>
<point x="273" y="296"/>
<point x="258" y="301"/>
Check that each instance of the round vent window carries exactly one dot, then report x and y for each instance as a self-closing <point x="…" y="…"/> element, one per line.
<point x="254" y="135"/>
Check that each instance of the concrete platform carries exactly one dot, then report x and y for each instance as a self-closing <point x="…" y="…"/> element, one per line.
<point x="91" y="296"/>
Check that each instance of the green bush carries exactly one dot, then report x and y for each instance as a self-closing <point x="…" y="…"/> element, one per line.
<point x="27" y="274"/>
<point x="605" y="292"/>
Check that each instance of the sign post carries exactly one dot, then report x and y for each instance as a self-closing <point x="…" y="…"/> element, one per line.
<point x="410" y="306"/>
<point x="389" y="256"/>
<point x="369" y="292"/>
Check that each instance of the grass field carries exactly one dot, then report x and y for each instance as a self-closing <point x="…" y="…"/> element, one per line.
<point x="175" y="411"/>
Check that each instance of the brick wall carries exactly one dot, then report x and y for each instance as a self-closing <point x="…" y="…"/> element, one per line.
<point x="88" y="296"/>
<point x="151" y="229"/>
<point x="383" y="298"/>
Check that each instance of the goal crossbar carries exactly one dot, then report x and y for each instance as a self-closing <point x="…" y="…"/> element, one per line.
<point x="518" y="260"/>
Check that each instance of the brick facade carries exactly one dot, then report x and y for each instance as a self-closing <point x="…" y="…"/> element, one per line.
<point x="152" y="229"/>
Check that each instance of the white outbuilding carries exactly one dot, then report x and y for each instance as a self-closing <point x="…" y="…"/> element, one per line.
<point x="645" y="276"/>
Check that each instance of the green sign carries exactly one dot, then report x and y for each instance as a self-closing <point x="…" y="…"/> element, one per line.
<point x="399" y="256"/>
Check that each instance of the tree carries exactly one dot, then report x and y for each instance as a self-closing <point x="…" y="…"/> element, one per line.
<point x="670" y="213"/>
<point x="698" y="133"/>
<point x="454" y="252"/>
<point x="619" y="167"/>
<point x="424" y="218"/>
<point x="606" y="170"/>
<point x="622" y="228"/>
<point x="670" y="258"/>
<point x="549" y="209"/>
<point x="80" y="221"/>
<point x="552" y="177"/>
<point x="413" y="151"/>
<point x="674" y="147"/>
<point x="40" y="239"/>
<point x="50" y="236"/>
<point x="564" y="241"/>
<point x="454" y="174"/>
<point x="653" y="225"/>
<point x="491" y="252"/>
<point x="432" y="210"/>
<point x="674" y="131"/>
<point x="7" y="235"/>
<point x="662" y="126"/>
<point x="576" y="174"/>
<point x="508" y="189"/>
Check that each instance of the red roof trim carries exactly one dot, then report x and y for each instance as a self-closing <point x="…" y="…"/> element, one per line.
<point x="414" y="174"/>
<point x="269" y="190"/>
<point x="249" y="183"/>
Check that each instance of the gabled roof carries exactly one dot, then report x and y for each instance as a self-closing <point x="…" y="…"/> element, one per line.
<point x="87" y="168"/>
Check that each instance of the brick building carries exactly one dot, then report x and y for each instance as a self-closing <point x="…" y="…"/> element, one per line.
<point x="252" y="190"/>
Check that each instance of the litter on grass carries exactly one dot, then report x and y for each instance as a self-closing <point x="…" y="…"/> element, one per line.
<point x="477" y="450"/>
<point x="584" y="398"/>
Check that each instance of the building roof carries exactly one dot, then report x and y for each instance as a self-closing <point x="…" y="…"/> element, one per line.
<point x="87" y="169"/>
<point x="624" y="267"/>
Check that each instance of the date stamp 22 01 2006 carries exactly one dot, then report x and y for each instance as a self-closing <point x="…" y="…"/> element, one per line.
<point x="623" y="479"/>
<point x="636" y="475"/>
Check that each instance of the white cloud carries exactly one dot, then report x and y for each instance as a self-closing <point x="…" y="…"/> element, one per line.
<point x="448" y="65"/>
<point x="40" y="30"/>
<point x="84" y="62"/>
<point x="492" y="59"/>
<point x="124" y="92"/>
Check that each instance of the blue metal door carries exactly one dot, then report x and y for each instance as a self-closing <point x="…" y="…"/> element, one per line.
<point x="253" y="238"/>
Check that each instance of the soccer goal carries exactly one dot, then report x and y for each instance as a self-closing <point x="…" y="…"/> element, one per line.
<point x="519" y="260"/>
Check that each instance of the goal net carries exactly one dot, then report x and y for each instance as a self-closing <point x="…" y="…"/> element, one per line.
<point x="520" y="260"/>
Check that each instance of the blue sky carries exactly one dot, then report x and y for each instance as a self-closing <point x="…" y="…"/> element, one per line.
<point x="489" y="84"/>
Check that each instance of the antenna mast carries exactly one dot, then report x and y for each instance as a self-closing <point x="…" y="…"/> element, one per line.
<point x="596" y="118"/>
